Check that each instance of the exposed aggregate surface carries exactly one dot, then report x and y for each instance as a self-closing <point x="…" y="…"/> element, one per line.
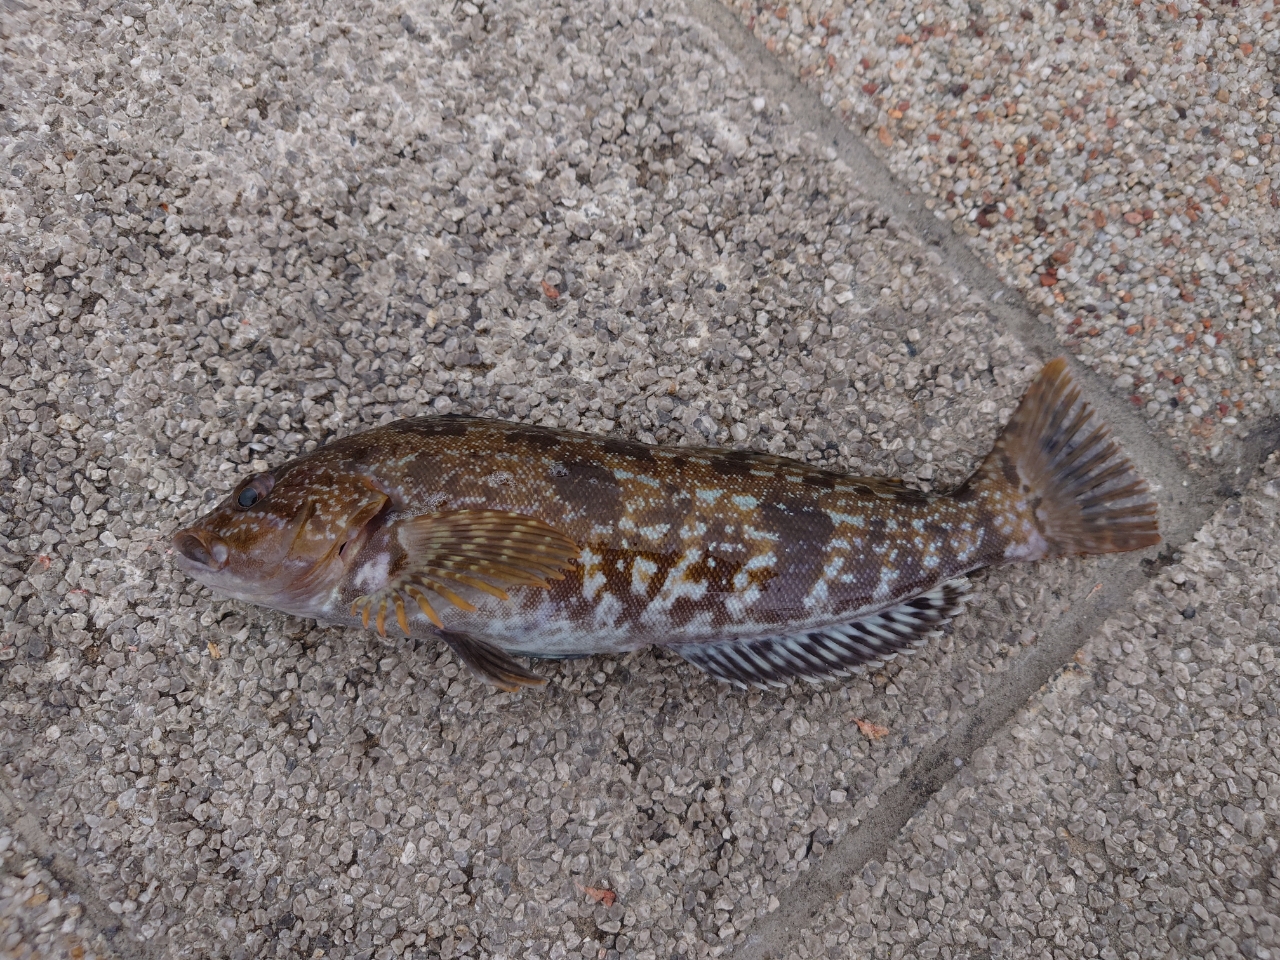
<point x="1115" y="161"/>
<point x="38" y="919"/>
<point x="1133" y="808"/>
<point x="230" y="233"/>
<point x="235" y="233"/>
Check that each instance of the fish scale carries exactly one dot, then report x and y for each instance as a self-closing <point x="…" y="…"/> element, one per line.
<point x="506" y="539"/>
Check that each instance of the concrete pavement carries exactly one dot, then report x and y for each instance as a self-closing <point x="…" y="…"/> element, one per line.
<point x="231" y="233"/>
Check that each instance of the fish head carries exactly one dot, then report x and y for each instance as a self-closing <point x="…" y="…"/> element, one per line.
<point x="284" y="538"/>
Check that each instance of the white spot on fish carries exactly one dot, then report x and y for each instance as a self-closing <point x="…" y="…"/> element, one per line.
<point x="374" y="574"/>
<point x="818" y="595"/>
<point x="742" y="579"/>
<point x="592" y="577"/>
<point x="744" y="502"/>
<point x="852" y="519"/>
<point x="655" y="532"/>
<point x="591" y="585"/>
<point x="641" y="570"/>
<point x="887" y="576"/>
<point x="709" y="496"/>
<point x="675" y="587"/>
<point x="970" y="547"/>
<point x="736" y="604"/>
<point x="1033" y="547"/>
<point x="607" y="611"/>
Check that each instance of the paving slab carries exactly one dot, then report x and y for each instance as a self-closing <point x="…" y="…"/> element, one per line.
<point x="233" y="234"/>
<point x="1130" y="811"/>
<point x="1114" y="162"/>
<point x="229" y="234"/>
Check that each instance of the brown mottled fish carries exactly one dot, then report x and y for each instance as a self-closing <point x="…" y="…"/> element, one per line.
<point x="508" y="540"/>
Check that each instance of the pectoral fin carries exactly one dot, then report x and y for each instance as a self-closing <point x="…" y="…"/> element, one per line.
<point x="490" y="664"/>
<point x="484" y="551"/>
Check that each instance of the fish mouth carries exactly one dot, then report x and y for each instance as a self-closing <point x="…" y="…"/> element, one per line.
<point x="202" y="551"/>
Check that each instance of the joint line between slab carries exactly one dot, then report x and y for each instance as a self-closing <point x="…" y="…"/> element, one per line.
<point x="1187" y="501"/>
<point x="1003" y="303"/>
<point x="72" y="879"/>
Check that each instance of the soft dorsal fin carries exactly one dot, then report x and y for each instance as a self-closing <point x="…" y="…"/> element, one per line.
<point x="834" y="651"/>
<point x="484" y="550"/>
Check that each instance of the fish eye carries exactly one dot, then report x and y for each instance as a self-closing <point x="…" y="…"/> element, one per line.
<point x="254" y="489"/>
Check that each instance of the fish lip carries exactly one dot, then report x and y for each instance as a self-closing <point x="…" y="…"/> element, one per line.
<point x="200" y="551"/>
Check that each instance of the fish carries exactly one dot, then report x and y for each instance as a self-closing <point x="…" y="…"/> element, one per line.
<point x="506" y="540"/>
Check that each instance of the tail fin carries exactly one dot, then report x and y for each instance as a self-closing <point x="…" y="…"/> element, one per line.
<point x="1058" y="457"/>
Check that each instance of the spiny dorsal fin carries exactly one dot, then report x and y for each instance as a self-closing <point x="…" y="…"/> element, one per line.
<point x="481" y="550"/>
<point x="834" y="651"/>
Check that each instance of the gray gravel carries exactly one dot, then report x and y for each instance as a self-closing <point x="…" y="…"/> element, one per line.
<point x="1133" y="810"/>
<point x="38" y="919"/>
<point x="237" y="236"/>
<point x="229" y="234"/>
<point x="1116" y="162"/>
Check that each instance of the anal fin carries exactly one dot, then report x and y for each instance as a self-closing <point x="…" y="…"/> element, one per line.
<point x="490" y="664"/>
<point x="834" y="651"/>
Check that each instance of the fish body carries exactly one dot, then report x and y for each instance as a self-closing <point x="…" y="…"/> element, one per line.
<point x="505" y="539"/>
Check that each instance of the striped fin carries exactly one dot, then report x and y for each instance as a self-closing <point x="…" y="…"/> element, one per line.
<point x="488" y="663"/>
<point x="834" y="651"/>
<point x="482" y="550"/>
<point x="1083" y="495"/>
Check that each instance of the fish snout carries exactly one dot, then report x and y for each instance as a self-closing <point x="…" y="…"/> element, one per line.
<point x="201" y="549"/>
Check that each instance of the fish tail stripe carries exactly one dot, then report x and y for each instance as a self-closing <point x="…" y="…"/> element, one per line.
<point x="1057" y="473"/>
<point x="833" y="651"/>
